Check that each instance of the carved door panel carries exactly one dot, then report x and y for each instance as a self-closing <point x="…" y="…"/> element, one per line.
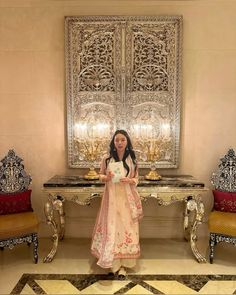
<point x="93" y="85"/>
<point x="122" y="72"/>
<point x="152" y="96"/>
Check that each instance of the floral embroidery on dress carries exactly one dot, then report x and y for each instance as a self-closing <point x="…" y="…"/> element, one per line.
<point x="128" y="238"/>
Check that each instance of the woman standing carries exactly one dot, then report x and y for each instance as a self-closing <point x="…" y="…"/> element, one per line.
<point x="116" y="234"/>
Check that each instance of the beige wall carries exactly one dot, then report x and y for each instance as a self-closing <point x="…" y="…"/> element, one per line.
<point x="33" y="106"/>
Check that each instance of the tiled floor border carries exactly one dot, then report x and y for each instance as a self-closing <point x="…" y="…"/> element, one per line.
<point x="81" y="281"/>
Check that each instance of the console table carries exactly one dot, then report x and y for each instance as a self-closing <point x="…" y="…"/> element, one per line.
<point x="168" y="190"/>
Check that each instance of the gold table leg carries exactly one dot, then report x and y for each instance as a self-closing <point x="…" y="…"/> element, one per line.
<point x="196" y="205"/>
<point x="58" y="227"/>
<point x="186" y="224"/>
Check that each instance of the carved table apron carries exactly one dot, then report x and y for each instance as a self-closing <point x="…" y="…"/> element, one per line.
<point x="168" y="190"/>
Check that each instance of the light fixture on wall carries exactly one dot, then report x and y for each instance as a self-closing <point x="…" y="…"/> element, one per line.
<point x="152" y="142"/>
<point x="91" y="139"/>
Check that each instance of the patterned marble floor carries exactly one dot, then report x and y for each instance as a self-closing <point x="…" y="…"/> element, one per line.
<point x="133" y="284"/>
<point x="166" y="266"/>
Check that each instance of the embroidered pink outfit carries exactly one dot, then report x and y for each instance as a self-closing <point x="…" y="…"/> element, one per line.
<point x="116" y="232"/>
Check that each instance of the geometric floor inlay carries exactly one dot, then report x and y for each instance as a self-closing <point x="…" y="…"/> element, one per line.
<point x="133" y="284"/>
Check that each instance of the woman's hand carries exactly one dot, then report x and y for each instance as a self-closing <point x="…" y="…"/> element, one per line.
<point x="127" y="180"/>
<point x="107" y="177"/>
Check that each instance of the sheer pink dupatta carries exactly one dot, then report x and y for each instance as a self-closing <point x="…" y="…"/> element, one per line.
<point x="103" y="242"/>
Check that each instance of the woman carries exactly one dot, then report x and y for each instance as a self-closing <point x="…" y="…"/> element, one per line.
<point x="116" y="234"/>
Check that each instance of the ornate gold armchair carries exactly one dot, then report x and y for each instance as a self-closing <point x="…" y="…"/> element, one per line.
<point x="222" y="220"/>
<point x="18" y="222"/>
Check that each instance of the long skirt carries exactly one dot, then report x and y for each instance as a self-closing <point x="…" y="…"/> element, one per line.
<point x="116" y="234"/>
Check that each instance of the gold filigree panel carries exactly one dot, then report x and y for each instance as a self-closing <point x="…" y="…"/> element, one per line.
<point x="123" y="72"/>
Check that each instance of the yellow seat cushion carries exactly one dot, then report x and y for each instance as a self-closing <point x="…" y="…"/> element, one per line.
<point x="18" y="224"/>
<point x="222" y="223"/>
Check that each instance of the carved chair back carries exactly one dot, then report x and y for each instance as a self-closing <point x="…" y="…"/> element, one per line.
<point x="224" y="179"/>
<point x="13" y="177"/>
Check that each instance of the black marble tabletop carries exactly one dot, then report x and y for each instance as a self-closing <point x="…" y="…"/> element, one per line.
<point x="168" y="180"/>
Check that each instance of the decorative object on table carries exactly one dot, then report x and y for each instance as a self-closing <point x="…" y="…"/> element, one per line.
<point x="123" y="71"/>
<point x="92" y="138"/>
<point x="222" y="220"/>
<point x="153" y="142"/>
<point x="18" y="222"/>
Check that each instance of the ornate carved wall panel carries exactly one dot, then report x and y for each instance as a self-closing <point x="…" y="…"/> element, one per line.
<point x="123" y="72"/>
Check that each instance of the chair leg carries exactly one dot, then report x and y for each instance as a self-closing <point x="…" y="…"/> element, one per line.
<point x="35" y="247"/>
<point x="212" y="243"/>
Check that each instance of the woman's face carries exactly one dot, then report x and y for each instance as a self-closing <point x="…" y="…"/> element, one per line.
<point x="120" y="142"/>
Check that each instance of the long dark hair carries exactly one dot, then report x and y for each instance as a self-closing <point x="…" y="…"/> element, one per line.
<point x="128" y="151"/>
